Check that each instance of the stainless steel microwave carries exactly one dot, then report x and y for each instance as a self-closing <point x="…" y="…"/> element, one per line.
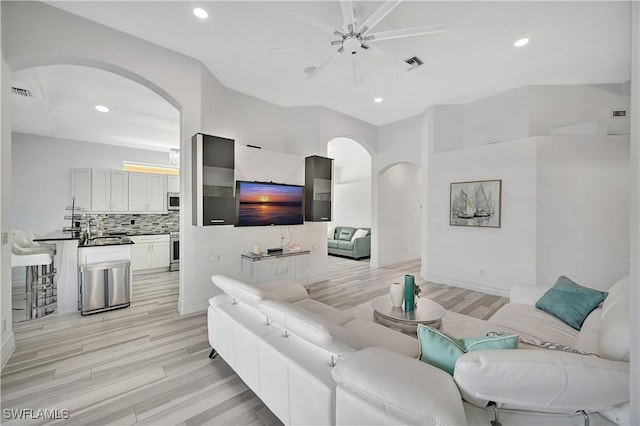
<point x="173" y="201"/>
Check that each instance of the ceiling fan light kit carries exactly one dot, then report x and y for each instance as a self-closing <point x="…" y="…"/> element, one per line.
<point x="357" y="37"/>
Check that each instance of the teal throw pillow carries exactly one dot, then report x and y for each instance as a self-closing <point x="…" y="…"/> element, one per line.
<point x="570" y="302"/>
<point x="442" y="351"/>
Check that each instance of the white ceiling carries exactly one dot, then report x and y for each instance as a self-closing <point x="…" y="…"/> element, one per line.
<point x="63" y="106"/>
<point x="571" y="43"/>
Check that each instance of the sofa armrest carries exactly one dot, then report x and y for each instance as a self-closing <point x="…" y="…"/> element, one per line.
<point x="362" y="246"/>
<point x="402" y="387"/>
<point x="542" y="380"/>
<point x="526" y="294"/>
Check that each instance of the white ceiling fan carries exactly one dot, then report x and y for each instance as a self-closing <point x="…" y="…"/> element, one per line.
<point x="357" y="37"/>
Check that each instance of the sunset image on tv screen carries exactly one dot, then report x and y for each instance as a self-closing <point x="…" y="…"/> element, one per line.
<point x="269" y="204"/>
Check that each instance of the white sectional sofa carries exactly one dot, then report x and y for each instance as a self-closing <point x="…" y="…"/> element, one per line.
<point x="313" y="364"/>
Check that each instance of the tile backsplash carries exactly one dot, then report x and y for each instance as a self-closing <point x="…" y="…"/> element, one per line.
<point x="136" y="223"/>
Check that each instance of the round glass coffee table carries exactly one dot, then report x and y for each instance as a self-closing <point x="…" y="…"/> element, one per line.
<point x="426" y="312"/>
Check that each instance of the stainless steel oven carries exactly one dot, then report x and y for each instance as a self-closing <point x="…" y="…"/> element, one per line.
<point x="174" y="252"/>
<point x="173" y="201"/>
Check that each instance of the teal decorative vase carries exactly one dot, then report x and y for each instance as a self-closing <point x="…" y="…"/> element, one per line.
<point x="409" y="293"/>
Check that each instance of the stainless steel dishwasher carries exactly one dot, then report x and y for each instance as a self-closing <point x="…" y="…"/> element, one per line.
<point x="104" y="286"/>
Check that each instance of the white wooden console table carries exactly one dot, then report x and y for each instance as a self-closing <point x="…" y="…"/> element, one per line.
<point x="288" y="264"/>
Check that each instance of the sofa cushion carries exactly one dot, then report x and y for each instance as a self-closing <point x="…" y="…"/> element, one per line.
<point x="366" y="334"/>
<point x="570" y="302"/>
<point x="239" y="290"/>
<point x="345" y="233"/>
<point x="360" y="233"/>
<point x="345" y="245"/>
<point x="442" y="351"/>
<point x="306" y="325"/>
<point x="327" y="312"/>
<point x="331" y="232"/>
<point x="333" y="243"/>
<point x="526" y="320"/>
<point x="615" y="332"/>
<point x="289" y="291"/>
<point x="399" y="386"/>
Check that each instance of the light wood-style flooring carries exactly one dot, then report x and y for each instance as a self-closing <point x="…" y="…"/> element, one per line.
<point x="148" y="365"/>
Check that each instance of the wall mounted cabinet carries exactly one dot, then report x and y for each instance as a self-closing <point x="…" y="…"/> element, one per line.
<point x="109" y="190"/>
<point x="146" y="192"/>
<point x="318" y="172"/>
<point x="213" y="167"/>
<point x="81" y="188"/>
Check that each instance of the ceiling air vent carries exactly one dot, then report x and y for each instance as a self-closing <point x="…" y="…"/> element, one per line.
<point x="619" y="113"/>
<point x="22" y="92"/>
<point x="414" y="61"/>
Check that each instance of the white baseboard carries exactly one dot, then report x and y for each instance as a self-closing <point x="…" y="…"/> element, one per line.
<point x="193" y="306"/>
<point x="466" y="284"/>
<point x="8" y="347"/>
<point x="397" y="259"/>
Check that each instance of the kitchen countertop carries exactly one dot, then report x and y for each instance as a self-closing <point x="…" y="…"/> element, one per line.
<point x="106" y="241"/>
<point x="58" y="236"/>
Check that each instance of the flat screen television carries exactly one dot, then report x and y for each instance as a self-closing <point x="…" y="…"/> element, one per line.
<point x="265" y="203"/>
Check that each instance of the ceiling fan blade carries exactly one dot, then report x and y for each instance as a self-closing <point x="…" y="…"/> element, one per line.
<point x="323" y="65"/>
<point x="293" y="49"/>
<point x="348" y="18"/>
<point x="377" y="16"/>
<point x="406" y="32"/>
<point x="381" y="54"/>
<point x="355" y="63"/>
<point x="317" y="23"/>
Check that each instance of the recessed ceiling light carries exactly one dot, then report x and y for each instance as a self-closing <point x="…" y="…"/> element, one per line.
<point x="200" y="13"/>
<point x="521" y="42"/>
<point x="377" y="100"/>
<point x="101" y="108"/>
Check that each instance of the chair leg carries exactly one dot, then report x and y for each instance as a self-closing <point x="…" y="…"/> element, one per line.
<point x="213" y="354"/>
<point x="496" y="414"/>
<point x="586" y="417"/>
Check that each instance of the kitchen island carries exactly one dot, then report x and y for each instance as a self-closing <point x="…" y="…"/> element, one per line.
<point x="72" y="251"/>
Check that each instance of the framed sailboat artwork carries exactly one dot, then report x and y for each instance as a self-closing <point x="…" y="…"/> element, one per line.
<point x="476" y="203"/>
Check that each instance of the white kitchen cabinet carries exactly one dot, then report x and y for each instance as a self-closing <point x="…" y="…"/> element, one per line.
<point x="109" y="190"/>
<point x="150" y="252"/>
<point x="100" y="190"/>
<point x="119" y="190"/>
<point x="146" y="192"/>
<point x="81" y="188"/>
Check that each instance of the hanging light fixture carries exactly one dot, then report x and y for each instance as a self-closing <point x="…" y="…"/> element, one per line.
<point x="174" y="157"/>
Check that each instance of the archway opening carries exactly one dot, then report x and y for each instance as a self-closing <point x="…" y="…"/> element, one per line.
<point x="58" y="129"/>
<point x="352" y="205"/>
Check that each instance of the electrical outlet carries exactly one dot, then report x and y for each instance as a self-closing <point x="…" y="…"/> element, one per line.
<point x="4" y="324"/>
<point x="214" y="258"/>
<point x="5" y="238"/>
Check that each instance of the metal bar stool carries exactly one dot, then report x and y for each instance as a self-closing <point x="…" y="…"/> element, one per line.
<point x="40" y="288"/>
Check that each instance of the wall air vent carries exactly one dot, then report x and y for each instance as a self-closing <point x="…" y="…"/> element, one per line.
<point x="619" y="113"/>
<point x="414" y="61"/>
<point x="21" y="92"/>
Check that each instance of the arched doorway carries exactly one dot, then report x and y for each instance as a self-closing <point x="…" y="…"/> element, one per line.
<point x="352" y="183"/>
<point x="53" y="152"/>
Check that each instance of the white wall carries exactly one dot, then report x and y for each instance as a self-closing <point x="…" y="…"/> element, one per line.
<point x="41" y="175"/>
<point x="485" y="259"/>
<point x="582" y="209"/>
<point x="6" y="335"/>
<point x="634" y="257"/>
<point x="399" y="224"/>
